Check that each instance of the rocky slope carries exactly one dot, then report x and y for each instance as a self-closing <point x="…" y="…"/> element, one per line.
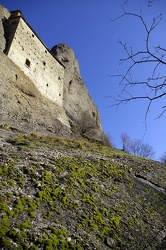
<point x="58" y="193"/>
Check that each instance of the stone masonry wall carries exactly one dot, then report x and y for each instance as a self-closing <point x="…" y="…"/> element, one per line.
<point x="29" y="53"/>
<point x="23" y="107"/>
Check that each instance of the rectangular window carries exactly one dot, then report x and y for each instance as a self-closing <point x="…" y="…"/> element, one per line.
<point x="27" y="62"/>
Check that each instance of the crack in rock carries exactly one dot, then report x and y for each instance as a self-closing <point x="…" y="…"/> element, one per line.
<point x="150" y="183"/>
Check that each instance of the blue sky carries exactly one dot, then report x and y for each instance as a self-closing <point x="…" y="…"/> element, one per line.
<point x="86" y="26"/>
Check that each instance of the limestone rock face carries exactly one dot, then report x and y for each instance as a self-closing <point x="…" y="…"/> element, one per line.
<point x="24" y="107"/>
<point x="4" y="15"/>
<point x="78" y="104"/>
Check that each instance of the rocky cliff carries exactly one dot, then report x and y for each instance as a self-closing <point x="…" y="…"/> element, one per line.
<point x="4" y="15"/>
<point x="68" y="193"/>
<point x="78" y="104"/>
<point x="22" y="105"/>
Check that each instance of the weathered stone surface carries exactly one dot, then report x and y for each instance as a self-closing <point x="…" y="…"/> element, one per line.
<point x="22" y="100"/>
<point x="110" y="242"/>
<point x="22" y="106"/>
<point x="4" y="14"/>
<point x="28" y="52"/>
<point x="77" y="192"/>
<point x="78" y="104"/>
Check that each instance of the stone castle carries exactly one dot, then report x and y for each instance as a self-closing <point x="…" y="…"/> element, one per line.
<point x="29" y="53"/>
<point x="49" y="75"/>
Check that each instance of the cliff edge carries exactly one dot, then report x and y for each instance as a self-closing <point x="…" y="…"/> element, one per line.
<point x="22" y="104"/>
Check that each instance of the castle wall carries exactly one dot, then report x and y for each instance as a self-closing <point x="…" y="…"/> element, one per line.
<point x="27" y="51"/>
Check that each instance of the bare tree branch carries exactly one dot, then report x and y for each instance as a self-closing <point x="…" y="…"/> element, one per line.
<point x="153" y="57"/>
<point x="149" y="3"/>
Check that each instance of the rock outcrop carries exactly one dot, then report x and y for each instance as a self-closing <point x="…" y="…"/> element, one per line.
<point x="78" y="105"/>
<point x="4" y="15"/>
<point x="22" y="105"/>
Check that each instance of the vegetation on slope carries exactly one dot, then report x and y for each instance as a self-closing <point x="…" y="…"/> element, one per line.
<point x="58" y="193"/>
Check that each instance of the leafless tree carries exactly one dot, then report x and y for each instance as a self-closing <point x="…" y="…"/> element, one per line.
<point x="153" y="84"/>
<point x="163" y="158"/>
<point x="87" y="123"/>
<point x="136" y="147"/>
<point x="126" y="142"/>
<point x="142" y="149"/>
<point x="107" y="140"/>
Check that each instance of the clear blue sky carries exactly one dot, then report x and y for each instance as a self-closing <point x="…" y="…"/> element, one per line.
<point x="85" y="25"/>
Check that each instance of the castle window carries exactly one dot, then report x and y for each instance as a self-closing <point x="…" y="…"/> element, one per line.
<point x="70" y="87"/>
<point x="44" y="63"/>
<point x="27" y="62"/>
<point x="32" y="35"/>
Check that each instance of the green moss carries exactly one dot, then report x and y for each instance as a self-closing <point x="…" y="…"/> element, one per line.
<point x="44" y="195"/>
<point x="7" y="244"/>
<point x="89" y="199"/>
<point x="32" y="214"/>
<point x="104" y="232"/>
<point x="115" y="221"/>
<point x="15" y="156"/>
<point x="57" y="239"/>
<point x="25" y="225"/>
<point x="19" y="204"/>
<point x="93" y="225"/>
<point x="12" y="233"/>
<point x="39" y="241"/>
<point x="48" y="244"/>
<point x="3" y="207"/>
<point x="4" y="183"/>
<point x="20" y="236"/>
<point x="33" y="247"/>
<point x="26" y="246"/>
<point x="46" y="177"/>
<point x="4" y="227"/>
<point x="101" y="196"/>
<point x="31" y="204"/>
<point x="48" y="215"/>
